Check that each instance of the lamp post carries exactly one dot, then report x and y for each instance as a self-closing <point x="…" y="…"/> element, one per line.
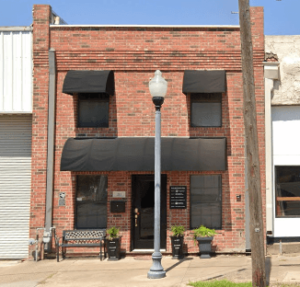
<point x="158" y="89"/>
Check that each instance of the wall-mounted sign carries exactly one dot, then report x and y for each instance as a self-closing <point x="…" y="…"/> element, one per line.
<point x="177" y="197"/>
<point x="62" y="201"/>
<point x="119" y="194"/>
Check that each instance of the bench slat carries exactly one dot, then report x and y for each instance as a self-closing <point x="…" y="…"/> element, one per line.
<point x="80" y="245"/>
<point x="73" y="239"/>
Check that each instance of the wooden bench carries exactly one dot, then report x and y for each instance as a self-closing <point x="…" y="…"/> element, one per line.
<point x="81" y="238"/>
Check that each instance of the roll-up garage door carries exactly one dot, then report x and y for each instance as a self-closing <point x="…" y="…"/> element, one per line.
<point x="15" y="185"/>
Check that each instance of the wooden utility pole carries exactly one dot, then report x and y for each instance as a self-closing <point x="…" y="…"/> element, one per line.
<point x="252" y="158"/>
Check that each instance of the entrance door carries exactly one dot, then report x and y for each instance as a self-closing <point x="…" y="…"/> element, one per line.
<point x="143" y="212"/>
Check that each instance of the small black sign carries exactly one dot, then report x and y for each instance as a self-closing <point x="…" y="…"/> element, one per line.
<point x="177" y="197"/>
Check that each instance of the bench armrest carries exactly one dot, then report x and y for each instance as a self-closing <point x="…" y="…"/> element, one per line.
<point x="57" y="239"/>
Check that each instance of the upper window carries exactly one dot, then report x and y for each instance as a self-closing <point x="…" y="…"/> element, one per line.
<point x="91" y="202"/>
<point x="206" y="201"/>
<point x="287" y="191"/>
<point x="93" y="110"/>
<point x="206" y="110"/>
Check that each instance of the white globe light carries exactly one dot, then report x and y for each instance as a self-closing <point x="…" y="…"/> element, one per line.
<point x="158" y="85"/>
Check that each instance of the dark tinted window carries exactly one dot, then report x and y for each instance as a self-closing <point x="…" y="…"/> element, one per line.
<point x="91" y="201"/>
<point x="93" y="110"/>
<point x="206" y="201"/>
<point x="287" y="191"/>
<point x="206" y="110"/>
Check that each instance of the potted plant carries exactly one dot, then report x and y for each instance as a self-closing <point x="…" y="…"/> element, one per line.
<point x="204" y="236"/>
<point x="177" y="241"/>
<point x="113" y="243"/>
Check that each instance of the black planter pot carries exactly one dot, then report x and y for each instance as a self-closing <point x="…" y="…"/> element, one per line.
<point x="205" y="246"/>
<point x="177" y="247"/>
<point x="113" y="249"/>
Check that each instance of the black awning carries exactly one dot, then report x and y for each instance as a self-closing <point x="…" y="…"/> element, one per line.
<point x="137" y="154"/>
<point x="89" y="82"/>
<point x="204" y="81"/>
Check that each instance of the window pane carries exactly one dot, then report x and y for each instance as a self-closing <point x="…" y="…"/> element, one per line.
<point x="206" y="110"/>
<point x="91" y="199"/>
<point x="287" y="191"/>
<point x="92" y="111"/>
<point x="207" y="214"/>
<point x="206" y="201"/>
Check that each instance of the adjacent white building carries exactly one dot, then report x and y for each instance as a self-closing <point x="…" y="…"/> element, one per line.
<point x="282" y="82"/>
<point x="15" y="140"/>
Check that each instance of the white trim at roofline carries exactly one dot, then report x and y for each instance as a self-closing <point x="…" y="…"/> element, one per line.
<point x="150" y="26"/>
<point x="15" y="28"/>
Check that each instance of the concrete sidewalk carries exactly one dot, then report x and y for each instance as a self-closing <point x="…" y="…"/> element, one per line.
<point x="133" y="272"/>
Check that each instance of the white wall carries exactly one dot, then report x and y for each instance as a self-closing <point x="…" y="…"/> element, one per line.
<point x="15" y="71"/>
<point x="286" y="151"/>
<point x="286" y="135"/>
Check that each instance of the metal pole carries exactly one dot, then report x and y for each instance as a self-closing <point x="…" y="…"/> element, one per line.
<point x="156" y="270"/>
<point x="50" y="150"/>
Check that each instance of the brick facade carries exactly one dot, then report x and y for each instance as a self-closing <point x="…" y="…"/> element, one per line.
<point x="134" y="53"/>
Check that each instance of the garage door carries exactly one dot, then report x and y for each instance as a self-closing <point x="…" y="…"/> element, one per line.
<point x="15" y="185"/>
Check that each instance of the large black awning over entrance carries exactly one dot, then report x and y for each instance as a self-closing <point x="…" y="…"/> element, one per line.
<point x="137" y="154"/>
<point x="204" y="81"/>
<point x="89" y="82"/>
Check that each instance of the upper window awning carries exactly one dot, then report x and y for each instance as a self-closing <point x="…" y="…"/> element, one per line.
<point x="89" y="82"/>
<point x="204" y="81"/>
<point x="137" y="154"/>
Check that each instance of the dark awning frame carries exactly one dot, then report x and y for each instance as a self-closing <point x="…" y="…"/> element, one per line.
<point x="212" y="81"/>
<point x="89" y="82"/>
<point x="137" y="154"/>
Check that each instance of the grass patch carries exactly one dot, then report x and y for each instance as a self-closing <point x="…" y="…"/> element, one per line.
<point x="219" y="283"/>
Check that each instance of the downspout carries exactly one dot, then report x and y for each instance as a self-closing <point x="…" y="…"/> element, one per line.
<point x="271" y="73"/>
<point x="50" y="149"/>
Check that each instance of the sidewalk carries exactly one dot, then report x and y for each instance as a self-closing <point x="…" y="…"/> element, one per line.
<point x="133" y="272"/>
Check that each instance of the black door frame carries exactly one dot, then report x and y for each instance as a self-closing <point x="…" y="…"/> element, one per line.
<point x="163" y="224"/>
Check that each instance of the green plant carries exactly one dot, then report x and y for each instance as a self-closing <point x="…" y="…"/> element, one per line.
<point x="113" y="232"/>
<point x="203" y="231"/>
<point x="177" y="230"/>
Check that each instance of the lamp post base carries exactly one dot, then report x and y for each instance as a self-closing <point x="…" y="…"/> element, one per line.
<point x="156" y="274"/>
<point x="156" y="271"/>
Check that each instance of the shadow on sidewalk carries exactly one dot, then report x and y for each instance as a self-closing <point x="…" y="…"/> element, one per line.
<point x="177" y="263"/>
<point x="268" y="269"/>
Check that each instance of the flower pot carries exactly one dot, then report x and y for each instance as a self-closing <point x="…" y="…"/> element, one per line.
<point x="177" y="247"/>
<point x="113" y="249"/>
<point x="205" y="246"/>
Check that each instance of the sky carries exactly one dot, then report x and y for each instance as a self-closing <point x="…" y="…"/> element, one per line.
<point x="281" y="17"/>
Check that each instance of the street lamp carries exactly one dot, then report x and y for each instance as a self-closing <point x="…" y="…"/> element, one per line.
<point x="158" y="89"/>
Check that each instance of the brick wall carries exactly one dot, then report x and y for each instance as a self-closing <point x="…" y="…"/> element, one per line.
<point x="134" y="54"/>
<point x="41" y="15"/>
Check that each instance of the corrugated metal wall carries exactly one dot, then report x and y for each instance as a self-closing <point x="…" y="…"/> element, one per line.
<point x="15" y="185"/>
<point x="15" y="71"/>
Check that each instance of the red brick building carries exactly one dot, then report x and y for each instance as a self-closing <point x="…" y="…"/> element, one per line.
<point x="125" y="58"/>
